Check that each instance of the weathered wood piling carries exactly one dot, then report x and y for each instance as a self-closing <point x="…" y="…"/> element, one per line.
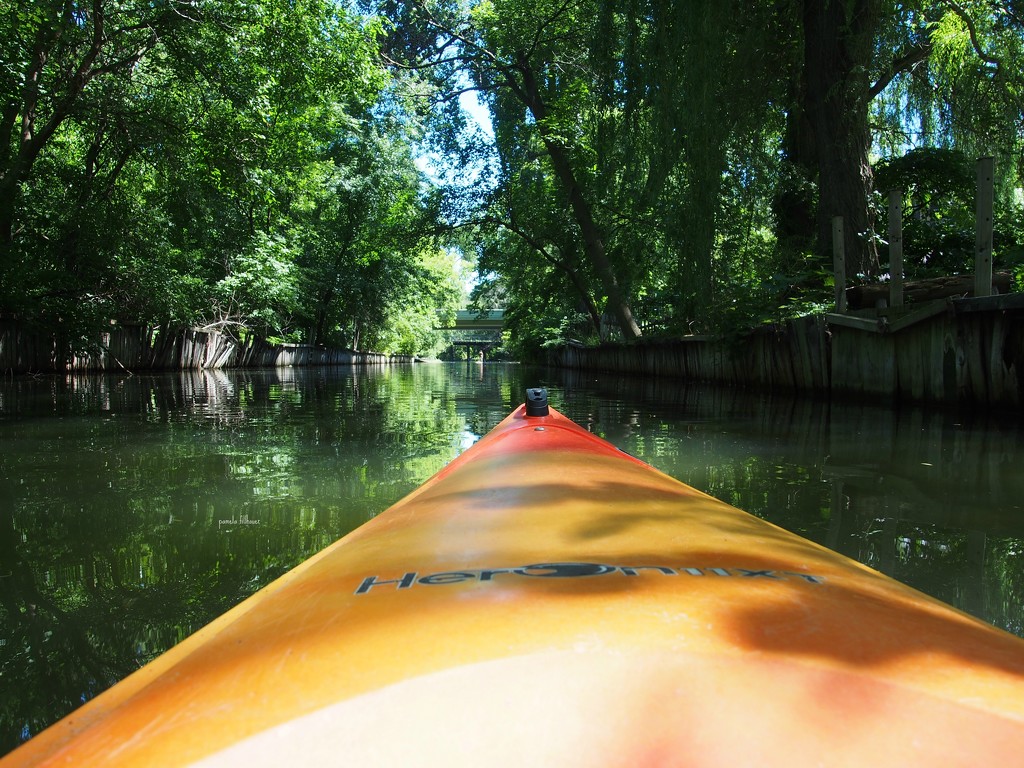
<point x="792" y="356"/>
<point x="143" y="348"/>
<point x="966" y="352"/>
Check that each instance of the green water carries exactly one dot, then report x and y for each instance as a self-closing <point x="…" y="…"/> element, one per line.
<point x="133" y="510"/>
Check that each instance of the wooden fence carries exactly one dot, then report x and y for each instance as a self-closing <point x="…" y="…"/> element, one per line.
<point x="792" y="356"/>
<point x="135" y="348"/>
<point x="966" y="352"/>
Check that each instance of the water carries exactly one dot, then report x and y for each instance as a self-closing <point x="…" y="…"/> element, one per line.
<point x="133" y="510"/>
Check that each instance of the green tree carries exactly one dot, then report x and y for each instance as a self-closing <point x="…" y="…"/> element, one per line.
<point x="432" y="297"/>
<point x="369" y="242"/>
<point x="72" y="126"/>
<point x="530" y="62"/>
<point x="238" y="183"/>
<point x="161" y="166"/>
<point x="54" y="52"/>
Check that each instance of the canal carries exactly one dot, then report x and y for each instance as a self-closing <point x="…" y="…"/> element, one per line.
<point x="134" y="509"/>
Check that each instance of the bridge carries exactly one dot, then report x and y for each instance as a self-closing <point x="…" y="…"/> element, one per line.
<point x="469" y="320"/>
<point x="478" y="332"/>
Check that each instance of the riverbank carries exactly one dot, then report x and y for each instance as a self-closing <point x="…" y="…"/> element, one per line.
<point x="960" y="352"/>
<point x="146" y="348"/>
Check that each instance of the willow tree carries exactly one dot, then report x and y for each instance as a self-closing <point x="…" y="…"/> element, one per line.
<point x="966" y="89"/>
<point x="525" y="225"/>
<point x="683" y="85"/>
<point x="537" y="66"/>
<point x="880" y="75"/>
<point x="631" y="107"/>
<point x="843" y="54"/>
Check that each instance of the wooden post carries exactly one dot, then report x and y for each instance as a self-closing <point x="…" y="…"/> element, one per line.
<point x="895" y="247"/>
<point x="839" y="262"/>
<point x="983" y="229"/>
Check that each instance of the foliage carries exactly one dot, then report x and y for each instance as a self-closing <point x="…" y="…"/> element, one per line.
<point x="647" y="168"/>
<point x="685" y="151"/>
<point x="963" y="100"/>
<point x="938" y="212"/>
<point x="180" y="178"/>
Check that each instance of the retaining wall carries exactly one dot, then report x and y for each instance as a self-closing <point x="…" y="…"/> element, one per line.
<point x="134" y="348"/>
<point x="957" y="352"/>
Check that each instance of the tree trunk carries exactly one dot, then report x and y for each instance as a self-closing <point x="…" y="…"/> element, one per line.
<point x="838" y="41"/>
<point x="706" y="125"/>
<point x="593" y="240"/>
<point x="8" y="191"/>
<point x="566" y="262"/>
<point x="793" y="202"/>
<point x="320" y="321"/>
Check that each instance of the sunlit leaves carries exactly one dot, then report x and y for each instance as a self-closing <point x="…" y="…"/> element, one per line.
<point x="209" y="153"/>
<point x="952" y="44"/>
<point x="649" y="101"/>
<point x="366" y="266"/>
<point x="261" y="284"/>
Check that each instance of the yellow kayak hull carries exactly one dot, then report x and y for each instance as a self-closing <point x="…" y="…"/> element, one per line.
<point x="548" y="600"/>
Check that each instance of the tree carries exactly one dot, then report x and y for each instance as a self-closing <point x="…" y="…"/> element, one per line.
<point x="527" y="232"/>
<point x="173" y="181"/>
<point x="891" y="76"/>
<point x="432" y="298"/>
<point x="838" y="45"/>
<point x="369" y="260"/>
<point x="672" y="165"/>
<point x="530" y="62"/>
<point x="53" y="51"/>
<point x="691" y="94"/>
<point x="625" y="115"/>
<point x="239" y="182"/>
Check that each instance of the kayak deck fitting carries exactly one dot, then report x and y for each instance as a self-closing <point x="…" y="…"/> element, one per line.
<point x="549" y="600"/>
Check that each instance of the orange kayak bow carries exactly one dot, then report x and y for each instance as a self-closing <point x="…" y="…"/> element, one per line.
<point x="548" y="600"/>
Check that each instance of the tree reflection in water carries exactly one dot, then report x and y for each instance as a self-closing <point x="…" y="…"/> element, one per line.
<point x="134" y="509"/>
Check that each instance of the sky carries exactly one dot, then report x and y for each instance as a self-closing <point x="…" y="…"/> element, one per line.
<point x="435" y="168"/>
<point x="478" y="116"/>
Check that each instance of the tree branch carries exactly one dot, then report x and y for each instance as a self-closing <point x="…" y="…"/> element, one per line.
<point x="559" y="12"/>
<point x="972" y="31"/>
<point x="558" y="263"/>
<point x="905" y="63"/>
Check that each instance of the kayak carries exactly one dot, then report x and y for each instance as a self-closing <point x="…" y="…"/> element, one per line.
<point x="547" y="599"/>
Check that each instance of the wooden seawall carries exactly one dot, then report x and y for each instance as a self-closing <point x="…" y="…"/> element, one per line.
<point x="137" y="348"/>
<point x="958" y="352"/>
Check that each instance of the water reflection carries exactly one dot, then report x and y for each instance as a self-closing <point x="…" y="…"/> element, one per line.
<point x="929" y="497"/>
<point x="135" y="509"/>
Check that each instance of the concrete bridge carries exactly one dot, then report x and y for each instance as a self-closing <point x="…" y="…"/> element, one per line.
<point x="478" y="332"/>
<point x="469" y="320"/>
